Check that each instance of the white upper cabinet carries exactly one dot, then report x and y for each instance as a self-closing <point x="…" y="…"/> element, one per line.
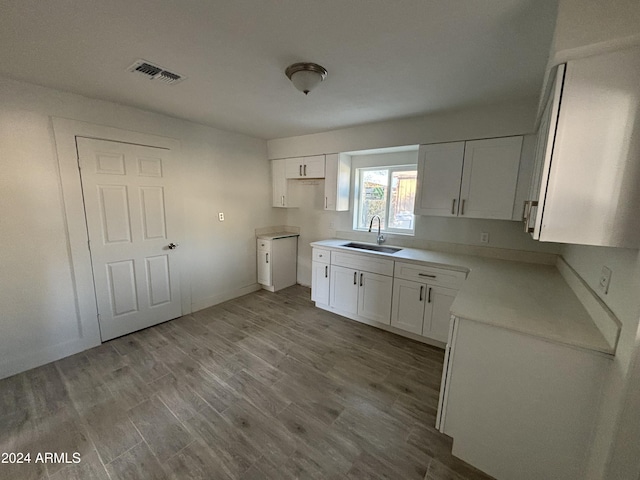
<point x="438" y="184"/>
<point x="305" y="167"/>
<point x="489" y="178"/>
<point x="279" y="184"/>
<point x="337" y="182"/>
<point x="474" y="179"/>
<point x="587" y="189"/>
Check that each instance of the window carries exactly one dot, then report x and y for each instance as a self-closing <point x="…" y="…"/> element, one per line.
<point x="388" y="192"/>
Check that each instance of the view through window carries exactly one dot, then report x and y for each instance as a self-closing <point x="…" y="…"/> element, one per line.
<point x="390" y="193"/>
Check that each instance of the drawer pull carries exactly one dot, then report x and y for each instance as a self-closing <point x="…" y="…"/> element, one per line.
<point x="300" y="167"/>
<point x="326" y="272"/>
<point x="267" y="258"/>
<point x="305" y="170"/>
<point x="427" y="275"/>
<point x="462" y="207"/>
<point x="453" y="207"/>
<point x="355" y="278"/>
<point x="421" y="289"/>
<point x="361" y="275"/>
<point x="429" y="295"/>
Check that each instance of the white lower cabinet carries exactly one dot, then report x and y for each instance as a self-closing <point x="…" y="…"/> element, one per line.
<point x="361" y="293"/>
<point x="422" y="308"/>
<point x="438" y="312"/>
<point x="320" y="283"/>
<point x="408" y="303"/>
<point x="374" y="296"/>
<point x="344" y="289"/>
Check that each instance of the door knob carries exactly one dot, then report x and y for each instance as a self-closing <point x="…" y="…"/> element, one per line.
<point x="172" y="246"/>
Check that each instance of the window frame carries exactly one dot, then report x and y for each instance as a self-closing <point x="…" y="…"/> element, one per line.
<point x="357" y="199"/>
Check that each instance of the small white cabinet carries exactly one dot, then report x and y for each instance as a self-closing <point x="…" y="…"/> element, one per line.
<point x="320" y="276"/>
<point x="277" y="262"/>
<point x="344" y="289"/>
<point x="473" y="179"/>
<point x="279" y="183"/>
<point x="337" y="182"/>
<point x="305" y="167"/>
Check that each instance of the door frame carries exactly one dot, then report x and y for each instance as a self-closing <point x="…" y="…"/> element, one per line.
<point x="65" y="132"/>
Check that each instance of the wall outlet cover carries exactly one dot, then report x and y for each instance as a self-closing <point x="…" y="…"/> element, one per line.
<point x="484" y="237"/>
<point x="605" y="280"/>
<point x="221" y="216"/>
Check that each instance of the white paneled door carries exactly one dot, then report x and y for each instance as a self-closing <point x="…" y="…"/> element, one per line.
<point x="131" y="221"/>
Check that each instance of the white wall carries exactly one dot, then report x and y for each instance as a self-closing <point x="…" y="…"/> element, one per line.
<point x="220" y="172"/>
<point x="316" y="224"/>
<point x="513" y="118"/>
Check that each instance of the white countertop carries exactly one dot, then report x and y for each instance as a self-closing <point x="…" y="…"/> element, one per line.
<point x="524" y="297"/>
<point x="276" y="235"/>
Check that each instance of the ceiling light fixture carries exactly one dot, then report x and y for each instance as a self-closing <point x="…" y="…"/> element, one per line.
<point x="305" y="76"/>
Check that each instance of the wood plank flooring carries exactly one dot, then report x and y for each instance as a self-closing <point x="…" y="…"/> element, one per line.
<point x="265" y="386"/>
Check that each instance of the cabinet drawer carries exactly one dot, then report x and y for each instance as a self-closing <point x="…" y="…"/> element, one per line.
<point x="431" y="275"/>
<point x="321" y="255"/>
<point x="264" y="245"/>
<point x="364" y="263"/>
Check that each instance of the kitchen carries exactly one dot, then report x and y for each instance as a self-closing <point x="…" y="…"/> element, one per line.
<point x="46" y="267"/>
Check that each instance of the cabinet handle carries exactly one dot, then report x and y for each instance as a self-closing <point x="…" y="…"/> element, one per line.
<point x="267" y="258"/>
<point x="355" y="278"/>
<point x="283" y="200"/>
<point x="326" y="271"/>
<point x="453" y="207"/>
<point x="427" y="275"/>
<point x="429" y="295"/>
<point x="300" y="170"/>
<point x="305" y="170"/>
<point x="421" y="289"/>
<point x="526" y="213"/>
<point x="462" y="207"/>
<point x="361" y="275"/>
<point x="325" y="202"/>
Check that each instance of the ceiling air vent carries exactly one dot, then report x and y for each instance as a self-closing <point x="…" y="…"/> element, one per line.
<point x="155" y="72"/>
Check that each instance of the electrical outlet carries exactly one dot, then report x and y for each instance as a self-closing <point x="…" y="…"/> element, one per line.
<point x="221" y="216"/>
<point x="605" y="280"/>
<point x="484" y="237"/>
<point x="332" y="224"/>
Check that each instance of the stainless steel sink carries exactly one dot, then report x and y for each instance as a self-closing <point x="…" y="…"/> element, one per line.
<point x="374" y="248"/>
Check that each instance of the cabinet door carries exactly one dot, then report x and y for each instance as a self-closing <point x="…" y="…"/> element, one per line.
<point x="294" y="167"/>
<point x="264" y="267"/>
<point x="279" y="183"/>
<point x="313" y="167"/>
<point x="320" y="283"/>
<point x="407" y="306"/>
<point x="337" y="182"/>
<point x="343" y="289"/>
<point x="490" y="177"/>
<point x="374" y="296"/>
<point x="439" y="174"/>
<point x="438" y="312"/>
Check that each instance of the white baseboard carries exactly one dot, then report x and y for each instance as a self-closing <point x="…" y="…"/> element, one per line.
<point x="207" y="302"/>
<point x="18" y="364"/>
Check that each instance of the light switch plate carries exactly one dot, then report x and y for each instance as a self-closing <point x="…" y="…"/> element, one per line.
<point x="484" y="237"/>
<point x="605" y="280"/>
<point x="221" y="216"/>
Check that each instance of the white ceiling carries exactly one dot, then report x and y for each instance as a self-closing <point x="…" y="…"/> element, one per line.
<point x="386" y="58"/>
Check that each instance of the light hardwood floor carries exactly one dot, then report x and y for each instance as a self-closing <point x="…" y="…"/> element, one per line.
<point x="265" y="386"/>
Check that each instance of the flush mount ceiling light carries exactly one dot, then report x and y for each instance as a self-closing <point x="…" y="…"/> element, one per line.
<point x="305" y="76"/>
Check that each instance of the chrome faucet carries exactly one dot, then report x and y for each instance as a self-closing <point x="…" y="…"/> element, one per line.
<point x="380" y="238"/>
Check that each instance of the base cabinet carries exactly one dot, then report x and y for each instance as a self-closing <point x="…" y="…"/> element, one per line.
<point x="422" y="308"/>
<point x="361" y="293"/>
<point x="277" y="262"/>
<point x="320" y="282"/>
<point x="514" y="389"/>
